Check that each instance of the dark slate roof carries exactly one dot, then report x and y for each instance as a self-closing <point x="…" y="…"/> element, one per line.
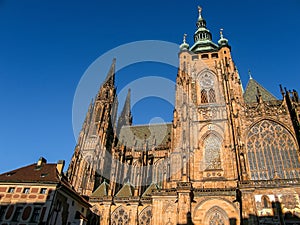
<point x="101" y="191"/>
<point x="126" y="191"/>
<point x="149" y="190"/>
<point x="154" y="135"/>
<point x="47" y="173"/>
<point x="250" y="94"/>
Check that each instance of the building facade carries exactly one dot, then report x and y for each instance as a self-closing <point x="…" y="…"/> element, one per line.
<point x="230" y="156"/>
<point x="40" y="194"/>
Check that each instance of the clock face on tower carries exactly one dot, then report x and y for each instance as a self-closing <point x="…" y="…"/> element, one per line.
<point x="206" y="81"/>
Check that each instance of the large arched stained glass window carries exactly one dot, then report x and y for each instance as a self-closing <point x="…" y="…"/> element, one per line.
<point x="272" y="152"/>
<point x="119" y="216"/>
<point x="212" y="145"/>
<point x="158" y="172"/>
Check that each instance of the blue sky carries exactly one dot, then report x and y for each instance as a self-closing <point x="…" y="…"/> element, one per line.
<point x="46" y="46"/>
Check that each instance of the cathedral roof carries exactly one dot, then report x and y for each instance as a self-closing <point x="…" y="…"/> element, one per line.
<point x="126" y="191"/>
<point x="149" y="190"/>
<point x="101" y="191"/>
<point x="252" y="89"/>
<point x="141" y="135"/>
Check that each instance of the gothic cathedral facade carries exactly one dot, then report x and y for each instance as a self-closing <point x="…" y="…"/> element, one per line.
<point x="230" y="156"/>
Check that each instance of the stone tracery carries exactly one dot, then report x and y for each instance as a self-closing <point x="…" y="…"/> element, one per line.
<point x="145" y="216"/>
<point x="272" y="152"/>
<point x="120" y="216"/>
<point x="212" y="145"/>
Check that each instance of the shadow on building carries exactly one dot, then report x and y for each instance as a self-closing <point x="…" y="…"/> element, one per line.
<point x="277" y="217"/>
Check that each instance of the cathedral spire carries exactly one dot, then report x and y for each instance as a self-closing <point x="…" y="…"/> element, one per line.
<point x="107" y="89"/>
<point x="125" y="118"/>
<point x="110" y="78"/>
<point x="202" y="36"/>
<point x="88" y="115"/>
<point x="127" y="109"/>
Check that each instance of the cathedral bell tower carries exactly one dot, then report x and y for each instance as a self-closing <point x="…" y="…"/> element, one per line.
<point x="205" y="143"/>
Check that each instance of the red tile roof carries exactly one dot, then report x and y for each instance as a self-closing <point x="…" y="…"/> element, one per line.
<point x="46" y="173"/>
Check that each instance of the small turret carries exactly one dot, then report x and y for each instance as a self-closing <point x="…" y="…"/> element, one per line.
<point x="223" y="41"/>
<point x="184" y="46"/>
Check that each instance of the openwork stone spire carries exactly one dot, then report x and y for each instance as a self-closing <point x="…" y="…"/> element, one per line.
<point x="125" y="118"/>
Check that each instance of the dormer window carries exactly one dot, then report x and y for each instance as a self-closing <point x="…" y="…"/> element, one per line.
<point x="26" y="190"/>
<point x="11" y="190"/>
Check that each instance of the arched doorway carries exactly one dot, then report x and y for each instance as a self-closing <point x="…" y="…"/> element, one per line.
<point x="215" y="211"/>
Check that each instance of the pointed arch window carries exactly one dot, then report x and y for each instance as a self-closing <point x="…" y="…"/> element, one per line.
<point x="212" y="95"/>
<point x="158" y="172"/>
<point x="266" y="201"/>
<point x="272" y="152"/>
<point x="208" y="93"/>
<point x="136" y="173"/>
<point x="204" y="98"/>
<point x="212" y="145"/>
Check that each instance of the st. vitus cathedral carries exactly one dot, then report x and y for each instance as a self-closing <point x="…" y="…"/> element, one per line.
<point x="230" y="156"/>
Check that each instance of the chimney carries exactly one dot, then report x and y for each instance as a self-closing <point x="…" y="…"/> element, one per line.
<point x="41" y="161"/>
<point x="60" y="166"/>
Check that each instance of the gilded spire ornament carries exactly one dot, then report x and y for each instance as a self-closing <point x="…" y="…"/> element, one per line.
<point x="200" y="11"/>
<point x="249" y="73"/>
<point x="184" y="38"/>
<point x="221" y="33"/>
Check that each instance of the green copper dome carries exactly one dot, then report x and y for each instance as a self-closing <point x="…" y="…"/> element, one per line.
<point x="223" y="41"/>
<point x="202" y="36"/>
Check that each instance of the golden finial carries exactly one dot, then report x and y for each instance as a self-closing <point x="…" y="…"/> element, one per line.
<point x="184" y="38"/>
<point x="250" y="75"/>
<point x="221" y="32"/>
<point x="200" y="11"/>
